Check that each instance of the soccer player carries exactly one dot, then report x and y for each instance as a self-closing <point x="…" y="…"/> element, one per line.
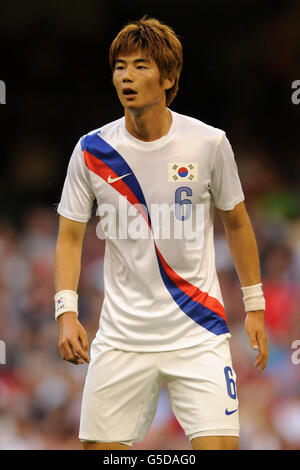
<point x="163" y="316"/>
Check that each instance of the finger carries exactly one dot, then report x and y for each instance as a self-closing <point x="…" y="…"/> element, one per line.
<point x="66" y="351"/>
<point x="77" y="360"/>
<point x="252" y="339"/>
<point x="260" y="366"/>
<point x="258" y="361"/>
<point x="73" y="359"/>
<point x="263" y="356"/>
<point x="83" y="339"/>
<point x="68" y="354"/>
<point x="79" y="351"/>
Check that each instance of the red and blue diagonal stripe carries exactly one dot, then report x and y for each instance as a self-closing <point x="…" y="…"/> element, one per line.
<point x="103" y="160"/>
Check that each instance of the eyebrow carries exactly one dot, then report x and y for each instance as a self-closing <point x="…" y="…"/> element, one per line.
<point x="136" y="60"/>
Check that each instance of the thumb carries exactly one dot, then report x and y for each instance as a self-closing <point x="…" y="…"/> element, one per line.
<point x="253" y="340"/>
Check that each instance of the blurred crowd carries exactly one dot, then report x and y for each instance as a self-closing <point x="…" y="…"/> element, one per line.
<point x="55" y="65"/>
<point x="40" y="394"/>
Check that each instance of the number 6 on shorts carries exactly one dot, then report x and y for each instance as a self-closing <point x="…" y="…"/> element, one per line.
<point x="230" y="382"/>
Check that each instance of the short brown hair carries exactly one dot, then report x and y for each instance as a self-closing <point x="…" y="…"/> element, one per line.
<point x="158" y="41"/>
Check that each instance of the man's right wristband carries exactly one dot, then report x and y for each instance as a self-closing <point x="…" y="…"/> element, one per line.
<point x="65" y="301"/>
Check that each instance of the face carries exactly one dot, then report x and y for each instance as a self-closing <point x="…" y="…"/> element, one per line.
<point x="137" y="82"/>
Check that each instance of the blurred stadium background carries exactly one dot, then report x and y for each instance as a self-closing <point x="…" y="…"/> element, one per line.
<point x="240" y="59"/>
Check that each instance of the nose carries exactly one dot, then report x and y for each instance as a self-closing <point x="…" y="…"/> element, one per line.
<point x="127" y="76"/>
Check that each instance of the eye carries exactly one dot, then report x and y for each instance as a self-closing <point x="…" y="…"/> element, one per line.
<point x="141" y="67"/>
<point x="119" y="67"/>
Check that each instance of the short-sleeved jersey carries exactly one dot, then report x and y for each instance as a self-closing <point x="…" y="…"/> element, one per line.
<point x="156" y="205"/>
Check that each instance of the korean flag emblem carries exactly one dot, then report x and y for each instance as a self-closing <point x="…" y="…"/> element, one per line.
<point x="178" y="172"/>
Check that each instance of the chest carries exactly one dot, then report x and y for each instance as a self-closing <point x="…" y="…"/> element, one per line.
<point x="172" y="175"/>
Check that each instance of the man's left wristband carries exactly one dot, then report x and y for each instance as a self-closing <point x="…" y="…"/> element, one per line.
<point x="253" y="298"/>
<point x="65" y="301"/>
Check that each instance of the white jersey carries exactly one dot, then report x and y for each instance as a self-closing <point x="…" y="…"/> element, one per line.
<point x="155" y="201"/>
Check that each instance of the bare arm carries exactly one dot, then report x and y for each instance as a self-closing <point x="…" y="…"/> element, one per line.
<point x="73" y="341"/>
<point x="68" y="254"/>
<point x="243" y="248"/>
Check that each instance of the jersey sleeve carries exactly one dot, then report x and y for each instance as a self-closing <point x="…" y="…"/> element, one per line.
<point x="77" y="195"/>
<point x="226" y="188"/>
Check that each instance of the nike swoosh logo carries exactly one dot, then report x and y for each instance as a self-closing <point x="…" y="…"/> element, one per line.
<point x="112" y="180"/>
<point x="227" y="412"/>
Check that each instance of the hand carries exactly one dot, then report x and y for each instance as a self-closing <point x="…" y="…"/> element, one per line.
<point x="256" y="331"/>
<point x="73" y="340"/>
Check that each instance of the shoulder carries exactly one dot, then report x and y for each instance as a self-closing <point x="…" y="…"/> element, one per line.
<point x="103" y="131"/>
<point x="193" y="125"/>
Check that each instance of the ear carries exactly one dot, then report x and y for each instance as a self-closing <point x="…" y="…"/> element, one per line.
<point x="169" y="83"/>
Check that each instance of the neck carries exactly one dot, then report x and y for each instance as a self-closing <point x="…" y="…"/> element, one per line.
<point x="148" y="124"/>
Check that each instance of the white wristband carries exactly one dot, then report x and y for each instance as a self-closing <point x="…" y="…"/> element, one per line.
<point x="253" y="298"/>
<point x="65" y="301"/>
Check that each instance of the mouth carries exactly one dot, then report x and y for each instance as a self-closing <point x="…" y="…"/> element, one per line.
<point x="129" y="92"/>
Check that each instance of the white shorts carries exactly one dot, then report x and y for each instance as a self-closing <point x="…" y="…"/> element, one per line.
<point x="122" y="389"/>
